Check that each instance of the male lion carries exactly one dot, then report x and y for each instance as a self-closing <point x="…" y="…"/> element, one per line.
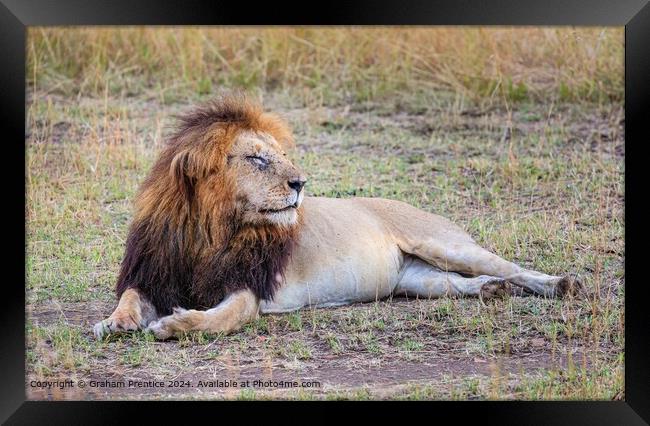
<point x="222" y="231"/>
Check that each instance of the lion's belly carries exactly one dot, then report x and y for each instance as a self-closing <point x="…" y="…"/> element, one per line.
<point x="343" y="256"/>
<point x="336" y="283"/>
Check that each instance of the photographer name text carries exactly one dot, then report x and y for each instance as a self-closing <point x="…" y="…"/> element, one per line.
<point x="251" y="383"/>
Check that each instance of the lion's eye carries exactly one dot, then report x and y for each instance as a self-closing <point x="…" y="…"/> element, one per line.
<point x="260" y="162"/>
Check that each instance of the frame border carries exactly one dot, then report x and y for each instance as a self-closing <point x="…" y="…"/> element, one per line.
<point x="16" y="15"/>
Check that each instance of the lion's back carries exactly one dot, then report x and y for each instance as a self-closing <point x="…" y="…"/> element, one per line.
<point x="381" y="215"/>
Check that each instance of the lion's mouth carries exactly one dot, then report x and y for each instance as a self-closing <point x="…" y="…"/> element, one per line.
<point x="266" y="211"/>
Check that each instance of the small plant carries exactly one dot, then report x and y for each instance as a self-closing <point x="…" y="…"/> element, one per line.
<point x="299" y="350"/>
<point x="294" y="321"/>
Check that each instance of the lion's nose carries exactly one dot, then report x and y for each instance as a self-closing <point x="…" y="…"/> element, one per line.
<point x="297" y="184"/>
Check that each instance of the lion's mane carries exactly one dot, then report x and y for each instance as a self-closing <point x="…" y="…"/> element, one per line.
<point x="186" y="245"/>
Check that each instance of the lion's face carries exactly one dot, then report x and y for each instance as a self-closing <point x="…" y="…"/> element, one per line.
<point x="269" y="188"/>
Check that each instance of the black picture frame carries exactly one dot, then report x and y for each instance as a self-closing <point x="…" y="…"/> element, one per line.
<point x="16" y="15"/>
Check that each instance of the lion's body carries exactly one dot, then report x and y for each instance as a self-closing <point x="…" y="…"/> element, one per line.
<point x="222" y="232"/>
<point x="367" y="249"/>
<point x="347" y="253"/>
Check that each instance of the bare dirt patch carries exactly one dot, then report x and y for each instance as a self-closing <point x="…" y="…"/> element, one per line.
<point x="438" y="360"/>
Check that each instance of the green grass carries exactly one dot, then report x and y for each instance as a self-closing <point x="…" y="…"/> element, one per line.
<point x="533" y="169"/>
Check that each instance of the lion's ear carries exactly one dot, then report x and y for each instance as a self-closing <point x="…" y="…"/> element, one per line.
<point x="183" y="173"/>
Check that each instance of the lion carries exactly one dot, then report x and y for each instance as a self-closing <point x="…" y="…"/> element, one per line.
<point x="223" y="232"/>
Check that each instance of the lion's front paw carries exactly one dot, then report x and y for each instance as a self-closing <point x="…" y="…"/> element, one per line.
<point x="114" y="324"/>
<point x="162" y="329"/>
<point x="180" y="321"/>
<point x="166" y="327"/>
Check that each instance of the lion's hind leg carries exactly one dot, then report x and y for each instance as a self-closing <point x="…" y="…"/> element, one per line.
<point x="133" y="312"/>
<point x="444" y="245"/>
<point x="420" y="279"/>
<point x="471" y="259"/>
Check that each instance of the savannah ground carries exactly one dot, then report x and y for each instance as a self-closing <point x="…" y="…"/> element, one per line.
<point x="514" y="134"/>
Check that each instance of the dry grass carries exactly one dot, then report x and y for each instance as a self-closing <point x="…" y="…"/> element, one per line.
<point x="325" y="65"/>
<point x="534" y="179"/>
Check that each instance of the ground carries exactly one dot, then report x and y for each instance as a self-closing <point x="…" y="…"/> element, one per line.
<point x="537" y="183"/>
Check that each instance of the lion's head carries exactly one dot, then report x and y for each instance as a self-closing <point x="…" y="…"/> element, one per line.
<point x="229" y="151"/>
<point x="220" y="209"/>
